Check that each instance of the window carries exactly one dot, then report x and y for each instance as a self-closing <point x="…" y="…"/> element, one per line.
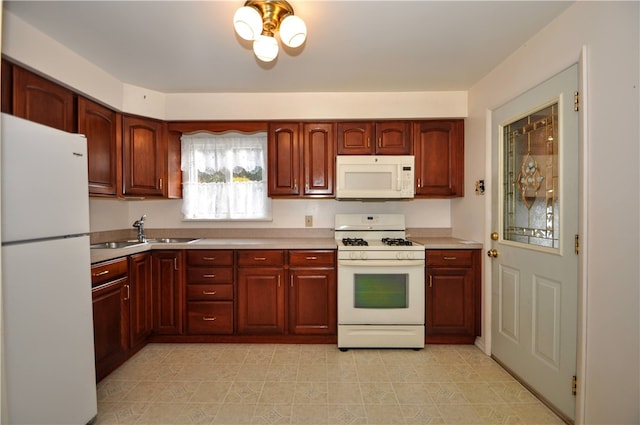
<point x="224" y="176"/>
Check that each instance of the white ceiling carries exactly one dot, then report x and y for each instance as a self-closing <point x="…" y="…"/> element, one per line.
<point x="352" y="46"/>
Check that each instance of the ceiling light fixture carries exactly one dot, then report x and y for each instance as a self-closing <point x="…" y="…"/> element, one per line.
<point x="259" y="20"/>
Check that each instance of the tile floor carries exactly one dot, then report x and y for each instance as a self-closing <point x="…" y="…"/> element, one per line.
<point x="314" y="384"/>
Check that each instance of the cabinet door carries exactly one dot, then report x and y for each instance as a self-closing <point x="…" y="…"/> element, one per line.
<point x="143" y="156"/>
<point x="450" y="306"/>
<point x="318" y="159"/>
<point x="284" y="159"/>
<point x="103" y="128"/>
<point x="261" y="301"/>
<point x="140" y="307"/>
<point x="393" y="138"/>
<point x="168" y="292"/>
<point x="354" y="138"/>
<point x="439" y="158"/>
<point x="312" y="302"/>
<point x="40" y="100"/>
<point x="110" y="325"/>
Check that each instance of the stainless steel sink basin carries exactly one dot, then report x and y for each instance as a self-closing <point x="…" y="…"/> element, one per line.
<point x="172" y="240"/>
<point x="116" y="244"/>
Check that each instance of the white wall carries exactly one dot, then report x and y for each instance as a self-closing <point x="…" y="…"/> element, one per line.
<point x="609" y="30"/>
<point x="110" y="214"/>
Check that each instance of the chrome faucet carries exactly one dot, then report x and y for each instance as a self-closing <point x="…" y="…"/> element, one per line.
<point x="140" y="225"/>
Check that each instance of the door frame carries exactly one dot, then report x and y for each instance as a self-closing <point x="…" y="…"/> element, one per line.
<point x="583" y="174"/>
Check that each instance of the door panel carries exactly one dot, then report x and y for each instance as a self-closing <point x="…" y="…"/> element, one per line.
<point x="535" y="273"/>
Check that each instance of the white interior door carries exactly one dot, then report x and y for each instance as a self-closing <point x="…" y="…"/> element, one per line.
<point x="535" y="267"/>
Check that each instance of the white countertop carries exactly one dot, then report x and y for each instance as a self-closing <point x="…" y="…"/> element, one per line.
<point x="98" y="255"/>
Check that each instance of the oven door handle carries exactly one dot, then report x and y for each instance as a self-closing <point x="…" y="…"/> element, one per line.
<point x="382" y="263"/>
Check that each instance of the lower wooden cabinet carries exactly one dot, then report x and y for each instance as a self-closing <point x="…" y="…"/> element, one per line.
<point x="452" y="296"/>
<point x="110" y="289"/>
<point x="139" y="293"/>
<point x="168" y="292"/>
<point x="297" y="301"/>
<point x="312" y="293"/>
<point x="261" y="292"/>
<point x="210" y="292"/>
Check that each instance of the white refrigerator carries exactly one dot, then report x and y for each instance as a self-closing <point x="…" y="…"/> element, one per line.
<point x="47" y="319"/>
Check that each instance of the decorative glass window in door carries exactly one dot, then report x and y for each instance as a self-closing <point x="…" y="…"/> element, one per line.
<point x="531" y="197"/>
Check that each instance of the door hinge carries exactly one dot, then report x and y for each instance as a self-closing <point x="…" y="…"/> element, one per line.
<point x="576" y="101"/>
<point x="577" y="245"/>
<point x="574" y="385"/>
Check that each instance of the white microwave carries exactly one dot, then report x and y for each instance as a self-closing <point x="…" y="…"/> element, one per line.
<point x="362" y="177"/>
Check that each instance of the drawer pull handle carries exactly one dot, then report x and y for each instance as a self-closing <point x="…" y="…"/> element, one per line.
<point x="450" y="258"/>
<point x="430" y="281"/>
<point x="209" y="258"/>
<point x="259" y="258"/>
<point x="208" y="319"/>
<point x="209" y="275"/>
<point x="102" y="273"/>
<point x="312" y="258"/>
<point x="209" y="292"/>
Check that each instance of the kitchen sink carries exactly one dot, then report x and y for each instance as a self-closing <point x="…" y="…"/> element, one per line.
<point x="172" y="240"/>
<point x="135" y="242"/>
<point x="116" y="244"/>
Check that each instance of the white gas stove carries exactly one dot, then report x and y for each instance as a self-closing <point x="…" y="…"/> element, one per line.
<point x="380" y="282"/>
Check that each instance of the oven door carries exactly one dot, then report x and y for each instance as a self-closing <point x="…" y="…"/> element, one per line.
<point x="372" y="292"/>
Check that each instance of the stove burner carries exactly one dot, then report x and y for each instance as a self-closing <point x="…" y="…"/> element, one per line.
<point x="354" y="242"/>
<point x="396" y="242"/>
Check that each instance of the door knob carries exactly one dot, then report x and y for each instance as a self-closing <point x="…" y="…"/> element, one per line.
<point x="495" y="236"/>
<point x="493" y="253"/>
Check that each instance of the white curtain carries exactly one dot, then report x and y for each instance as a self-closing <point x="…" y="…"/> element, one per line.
<point x="212" y="189"/>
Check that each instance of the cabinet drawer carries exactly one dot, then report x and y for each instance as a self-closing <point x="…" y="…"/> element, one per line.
<point x="452" y="257"/>
<point x="210" y="317"/>
<point x="312" y="258"/>
<point x="210" y="292"/>
<point x="260" y="258"/>
<point x="209" y="275"/>
<point x="109" y="270"/>
<point x="196" y="257"/>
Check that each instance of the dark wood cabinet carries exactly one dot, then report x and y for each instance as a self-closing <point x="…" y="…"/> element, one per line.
<point x="110" y="289"/>
<point x="140" y="306"/>
<point x="318" y="159"/>
<point x="37" y="99"/>
<point x="301" y="159"/>
<point x="283" y="155"/>
<point x="144" y="156"/>
<point x="103" y="129"/>
<point x="168" y="292"/>
<point x="261" y="292"/>
<point x="312" y="293"/>
<point x="452" y="296"/>
<point x="439" y="158"/>
<point x="210" y="292"/>
<point x="380" y="137"/>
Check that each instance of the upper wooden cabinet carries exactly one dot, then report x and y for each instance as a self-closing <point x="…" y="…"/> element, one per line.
<point x="144" y="156"/>
<point x="381" y="138"/>
<point x="103" y="129"/>
<point x="40" y="100"/>
<point x="438" y="146"/>
<point x="301" y="159"/>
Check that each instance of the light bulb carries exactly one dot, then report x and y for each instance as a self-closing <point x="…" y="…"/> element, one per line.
<point x="293" y="31"/>
<point x="265" y="48"/>
<point x="247" y="22"/>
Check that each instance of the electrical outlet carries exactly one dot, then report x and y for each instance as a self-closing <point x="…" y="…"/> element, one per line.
<point x="308" y="221"/>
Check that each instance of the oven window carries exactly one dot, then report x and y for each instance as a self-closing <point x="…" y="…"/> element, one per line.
<point x="381" y="290"/>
